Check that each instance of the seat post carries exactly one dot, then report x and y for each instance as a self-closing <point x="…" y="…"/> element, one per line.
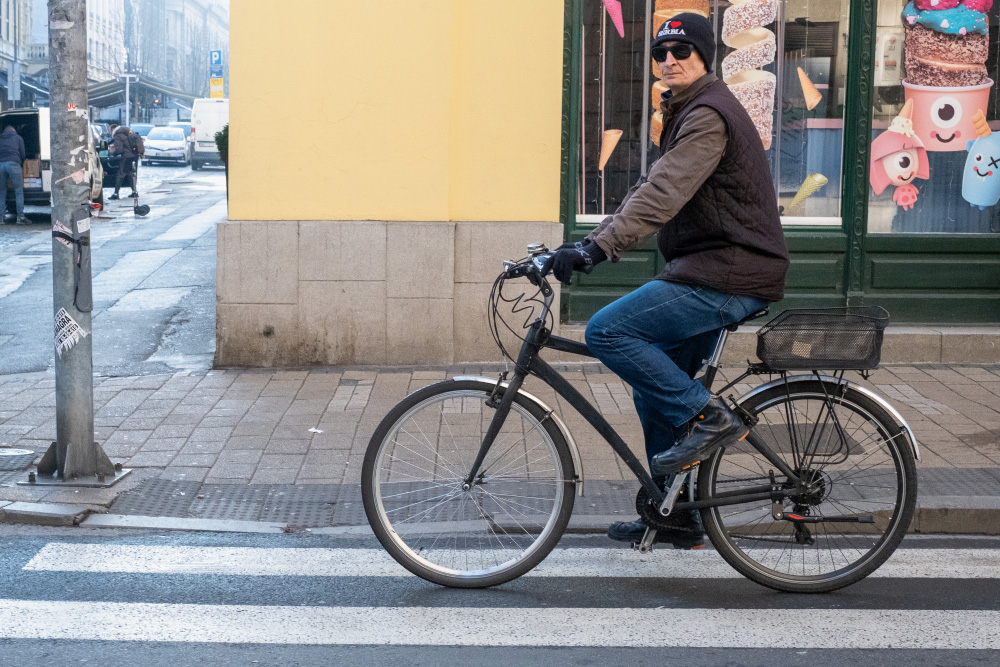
<point x="717" y="355"/>
<point x="712" y="365"/>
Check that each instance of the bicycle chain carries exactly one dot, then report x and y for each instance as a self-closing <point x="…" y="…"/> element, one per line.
<point x="650" y="513"/>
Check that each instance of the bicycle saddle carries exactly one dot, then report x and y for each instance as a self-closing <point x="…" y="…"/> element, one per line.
<point x="752" y="316"/>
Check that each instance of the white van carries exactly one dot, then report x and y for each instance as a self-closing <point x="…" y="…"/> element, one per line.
<point x="33" y="126"/>
<point x="208" y="116"/>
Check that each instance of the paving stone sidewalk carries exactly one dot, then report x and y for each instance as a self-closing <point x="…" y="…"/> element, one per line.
<point x="287" y="445"/>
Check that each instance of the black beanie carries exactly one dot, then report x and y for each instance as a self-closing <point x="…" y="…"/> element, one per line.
<point x="693" y="29"/>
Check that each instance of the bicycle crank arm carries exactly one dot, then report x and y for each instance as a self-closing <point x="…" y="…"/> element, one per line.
<point x="645" y="545"/>
<point x="673" y="493"/>
<point x="798" y="518"/>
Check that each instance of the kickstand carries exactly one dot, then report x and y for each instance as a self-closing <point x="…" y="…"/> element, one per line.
<point x="645" y="545"/>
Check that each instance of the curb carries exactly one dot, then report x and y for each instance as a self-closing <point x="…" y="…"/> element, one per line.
<point x="44" y="514"/>
<point x="945" y="517"/>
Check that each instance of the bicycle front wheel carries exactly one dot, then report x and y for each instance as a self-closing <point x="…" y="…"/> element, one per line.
<point x="413" y="486"/>
<point x="857" y="503"/>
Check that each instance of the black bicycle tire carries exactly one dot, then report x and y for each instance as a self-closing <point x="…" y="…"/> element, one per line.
<point x="368" y="481"/>
<point x="891" y="539"/>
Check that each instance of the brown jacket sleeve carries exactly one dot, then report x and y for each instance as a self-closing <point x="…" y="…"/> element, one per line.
<point x="672" y="181"/>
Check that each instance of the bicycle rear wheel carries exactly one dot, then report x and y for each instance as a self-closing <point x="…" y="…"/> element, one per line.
<point x="859" y="465"/>
<point x="505" y="524"/>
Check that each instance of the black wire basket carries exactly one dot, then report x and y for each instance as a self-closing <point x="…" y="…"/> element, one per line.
<point x="824" y="339"/>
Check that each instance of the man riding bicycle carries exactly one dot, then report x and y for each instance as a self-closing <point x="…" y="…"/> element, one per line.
<point x="710" y="200"/>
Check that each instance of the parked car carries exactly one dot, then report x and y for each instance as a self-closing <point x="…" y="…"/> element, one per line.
<point x="105" y="131"/>
<point x="208" y="116"/>
<point x="167" y="144"/>
<point x="186" y="126"/>
<point x="142" y="129"/>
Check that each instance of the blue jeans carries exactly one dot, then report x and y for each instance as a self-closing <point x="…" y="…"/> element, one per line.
<point x="12" y="170"/>
<point x="656" y="339"/>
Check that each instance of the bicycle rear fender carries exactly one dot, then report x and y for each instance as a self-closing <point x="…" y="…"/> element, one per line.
<point x="560" y="424"/>
<point x="853" y="385"/>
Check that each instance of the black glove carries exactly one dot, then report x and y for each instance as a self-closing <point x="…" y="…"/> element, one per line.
<point x="577" y="257"/>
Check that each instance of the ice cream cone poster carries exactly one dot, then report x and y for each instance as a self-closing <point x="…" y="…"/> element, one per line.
<point x="981" y="178"/>
<point x="608" y="142"/>
<point x="945" y="51"/>
<point x="753" y="47"/>
<point x="812" y="96"/>
<point x="808" y="188"/>
<point x="614" y="8"/>
<point x="898" y="157"/>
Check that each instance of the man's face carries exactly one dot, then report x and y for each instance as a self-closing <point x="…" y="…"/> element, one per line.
<point x="679" y="74"/>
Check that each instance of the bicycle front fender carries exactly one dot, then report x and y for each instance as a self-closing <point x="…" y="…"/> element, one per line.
<point x="912" y="440"/>
<point x="560" y="424"/>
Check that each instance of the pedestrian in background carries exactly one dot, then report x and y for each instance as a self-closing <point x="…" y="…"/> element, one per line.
<point x="11" y="166"/>
<point x="129" y="146"/>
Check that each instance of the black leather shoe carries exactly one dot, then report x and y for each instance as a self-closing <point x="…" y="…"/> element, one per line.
<point x="716" y="425"/>
<point x="687" y="535"/>
<point x="114" y="195"/>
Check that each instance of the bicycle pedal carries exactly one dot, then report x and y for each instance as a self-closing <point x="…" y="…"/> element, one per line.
<point x="697" y="462"/>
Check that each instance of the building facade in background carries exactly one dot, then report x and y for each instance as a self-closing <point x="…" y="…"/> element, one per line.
<point x="169" y="40"/>
<point x="164" y="43"/>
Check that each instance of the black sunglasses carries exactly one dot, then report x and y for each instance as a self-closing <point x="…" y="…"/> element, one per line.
<point x="678" y="51"/>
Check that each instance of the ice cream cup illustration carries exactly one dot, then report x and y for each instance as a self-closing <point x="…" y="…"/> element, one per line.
<point x="942" y="115"/>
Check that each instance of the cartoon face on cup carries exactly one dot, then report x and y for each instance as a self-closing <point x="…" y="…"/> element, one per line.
<point x="942" y="116"/>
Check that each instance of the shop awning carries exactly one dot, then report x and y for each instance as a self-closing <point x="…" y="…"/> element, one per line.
<point x="111" y="92"/>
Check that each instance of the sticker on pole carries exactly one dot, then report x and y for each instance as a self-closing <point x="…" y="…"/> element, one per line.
<point x="68" y="332"/>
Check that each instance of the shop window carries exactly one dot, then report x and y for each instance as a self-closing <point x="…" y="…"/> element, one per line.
<point x="935" y="163"/>
<point x="621" y="91"/>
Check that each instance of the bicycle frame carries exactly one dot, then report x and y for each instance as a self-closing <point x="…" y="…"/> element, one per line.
<point x="529" y="363"/>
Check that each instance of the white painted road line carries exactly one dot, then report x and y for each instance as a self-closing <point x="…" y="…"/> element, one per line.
<point x="446" y="626"/>
<point x="193" y="227"/>
<point x="313" y="562"/>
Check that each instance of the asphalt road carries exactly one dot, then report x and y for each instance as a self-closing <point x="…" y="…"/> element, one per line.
<point x="132" y="597"/>
<point x="154" y="280"/>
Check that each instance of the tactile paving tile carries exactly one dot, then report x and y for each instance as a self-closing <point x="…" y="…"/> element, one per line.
<point x="12" y="476"/>
<point x="310" y="506"/>
<point x="157" y="497"/>
<point x="350" y="508"/>
<point x="229" y="501"/>
<point x="957" y="482"/>
<point x="607" y="497"/>
<point x="16" y="461"/>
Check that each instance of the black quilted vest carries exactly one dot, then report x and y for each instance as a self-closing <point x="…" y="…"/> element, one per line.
<point x="728" y="237"/>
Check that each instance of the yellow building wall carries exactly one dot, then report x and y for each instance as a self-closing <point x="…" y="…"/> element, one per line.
<point x="395" y="110"/>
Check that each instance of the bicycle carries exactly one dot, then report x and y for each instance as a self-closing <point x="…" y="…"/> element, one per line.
<point x="470" y="482"/>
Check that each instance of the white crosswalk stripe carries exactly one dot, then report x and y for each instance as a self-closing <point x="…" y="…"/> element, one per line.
<point x="448" y="626"/>
<point x="352" y="620"/>
<point x="312" y="562"/>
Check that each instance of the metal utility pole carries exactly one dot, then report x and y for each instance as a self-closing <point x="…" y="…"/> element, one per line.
<point x="128" y="102"/>
<point x="74" y="459"/>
